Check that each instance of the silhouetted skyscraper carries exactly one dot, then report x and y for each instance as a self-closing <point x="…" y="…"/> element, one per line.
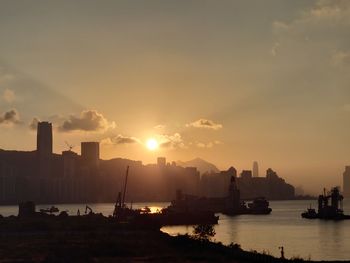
<point x="346" y="182"/>
<point x="44" y="148"/>
<point x="44" y="139"/>
<point x="90" y="152"/>
<point x="255" y="169"/>
<point x="271" y="174"/>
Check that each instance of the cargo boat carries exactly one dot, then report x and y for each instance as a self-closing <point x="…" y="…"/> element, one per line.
<point x="229" y="205"/>
<point x="326" y="211"/>
<point x="167" y="216"/>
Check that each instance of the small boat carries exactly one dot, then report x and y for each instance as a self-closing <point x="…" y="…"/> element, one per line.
<point x="259" y="206"/>
<point x="310" y="213"/>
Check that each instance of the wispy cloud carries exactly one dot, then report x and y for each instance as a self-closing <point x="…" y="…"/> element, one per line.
<point x="208" y="144"/>
<point x="275" y="49"/>
<point x="33" y="125"/>
<point x="171" y="141"/>
<point x="205" y="123"/>
<point x="119" y="139"/>
<point x="159" y="127"/>
<point x="341" y="58"/>
<point x="10" y="117"/>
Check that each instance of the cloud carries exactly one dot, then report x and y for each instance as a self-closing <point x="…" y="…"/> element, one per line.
<point x="201" y="145"/>
<point x="88" y="120"/>
<point x="9" y="95"/>
<point x="326" y="20"/>
<point x="33" y="125"/>
<point x="279" y="26"/>
<point x="208" y="144"/>
<point x="119" y="139"/>
<point x="316" y="38"/>
<point x="330" y="9"/>
<point x="10" y="117"/>
<point x="171" y="141"/>
<point x="274" y="49"/>
<point x="159" y="127"/>
<point x="204" y="123"/>
<point x="341" y="58"/>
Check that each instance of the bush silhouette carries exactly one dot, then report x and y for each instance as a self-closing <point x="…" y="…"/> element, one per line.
<point x="203" y="232"/>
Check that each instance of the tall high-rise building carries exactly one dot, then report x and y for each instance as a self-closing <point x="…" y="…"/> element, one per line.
<point x="90" y="152"/>
<point x="44" y="139"/>
<point x="255" y="169"/>
<point x="44" y="148"/>
<point x="346" y="182"/>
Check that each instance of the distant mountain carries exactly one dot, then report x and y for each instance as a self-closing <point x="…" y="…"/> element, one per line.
<point x="202" y="165"/>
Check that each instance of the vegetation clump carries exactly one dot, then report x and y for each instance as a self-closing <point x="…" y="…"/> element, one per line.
<point x="204" y="232"/>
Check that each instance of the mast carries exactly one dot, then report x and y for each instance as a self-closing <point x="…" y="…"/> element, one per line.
<point x="125" y="184"/>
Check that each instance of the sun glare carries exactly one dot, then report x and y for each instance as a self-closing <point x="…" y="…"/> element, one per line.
<point x="152" y="144"/>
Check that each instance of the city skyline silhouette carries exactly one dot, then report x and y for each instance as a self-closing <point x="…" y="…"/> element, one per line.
<point x="209" y="82"/>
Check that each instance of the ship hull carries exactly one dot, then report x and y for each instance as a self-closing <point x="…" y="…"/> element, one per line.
<point x="186" y="218"/>
<point x="338" y="217"/>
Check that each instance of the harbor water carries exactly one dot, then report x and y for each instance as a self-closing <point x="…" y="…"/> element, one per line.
<point x="315" y="239"/>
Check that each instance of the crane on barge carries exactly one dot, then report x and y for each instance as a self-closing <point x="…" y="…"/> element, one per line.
<point x="326" y="211"/>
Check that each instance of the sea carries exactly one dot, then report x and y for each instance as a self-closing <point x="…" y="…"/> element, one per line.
<point x="284" y="227"/>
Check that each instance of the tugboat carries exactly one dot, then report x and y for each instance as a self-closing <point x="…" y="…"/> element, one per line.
<point x="334" y="211"/>
<point x="259" y="206"/>
<point x="310" y="213"/>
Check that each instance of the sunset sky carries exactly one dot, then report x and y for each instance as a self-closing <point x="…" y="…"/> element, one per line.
<point x="228" y="81"/>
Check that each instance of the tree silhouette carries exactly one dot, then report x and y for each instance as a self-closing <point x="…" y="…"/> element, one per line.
<point x="203" y="232"/>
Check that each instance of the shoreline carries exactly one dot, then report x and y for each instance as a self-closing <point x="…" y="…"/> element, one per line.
<point x="141" y="202"/>
<point x="100" y="239"/>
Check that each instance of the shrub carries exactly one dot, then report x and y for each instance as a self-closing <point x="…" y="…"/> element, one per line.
<point x="203" y="232"/>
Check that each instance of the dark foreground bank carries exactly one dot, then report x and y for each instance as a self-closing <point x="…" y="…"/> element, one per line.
<point x="100" y="239"/>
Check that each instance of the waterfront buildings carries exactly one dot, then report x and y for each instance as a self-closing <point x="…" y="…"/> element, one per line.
<point x="271" y="186"/>
<point x="45" y="177"/>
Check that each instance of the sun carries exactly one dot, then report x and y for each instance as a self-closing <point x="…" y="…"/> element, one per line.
<point x="152" y="144"/>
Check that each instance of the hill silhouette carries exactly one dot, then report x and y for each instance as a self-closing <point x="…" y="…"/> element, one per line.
<point x="203" y="166"/>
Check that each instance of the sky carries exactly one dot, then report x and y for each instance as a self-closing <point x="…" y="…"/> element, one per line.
<point x="231" y="82"/>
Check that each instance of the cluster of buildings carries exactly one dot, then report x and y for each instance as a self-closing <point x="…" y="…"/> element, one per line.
<point x="249" y="183"/>
<point x="45" y="177"/>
